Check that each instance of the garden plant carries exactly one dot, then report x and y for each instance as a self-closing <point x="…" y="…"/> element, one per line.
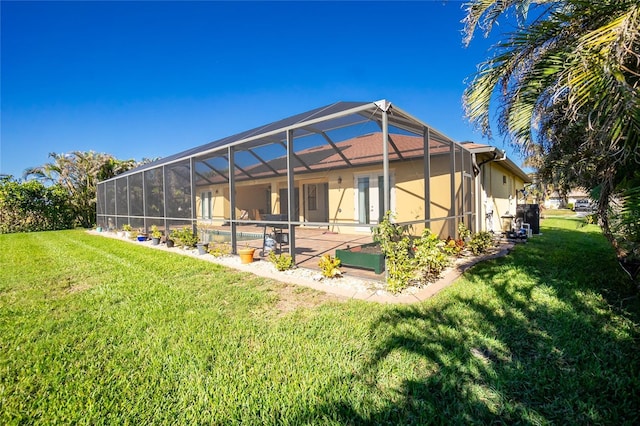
<point x="418" y="261"/>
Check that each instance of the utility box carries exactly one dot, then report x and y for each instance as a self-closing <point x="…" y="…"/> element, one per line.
<point x="529" y="213"/>
<point x="507" y="223"/>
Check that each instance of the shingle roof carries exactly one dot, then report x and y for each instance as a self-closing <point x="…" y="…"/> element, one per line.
<point x="360" y="151"/>
<point x="317" y="121"/>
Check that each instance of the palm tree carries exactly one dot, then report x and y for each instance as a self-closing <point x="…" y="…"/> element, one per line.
<point x="79" y="172"/>
<point x="566" y="85"/>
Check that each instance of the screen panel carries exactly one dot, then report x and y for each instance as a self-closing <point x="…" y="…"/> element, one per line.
<point x="178" y="185"/>
<point x="136" y="200"/>
<point x="154" y="192"/>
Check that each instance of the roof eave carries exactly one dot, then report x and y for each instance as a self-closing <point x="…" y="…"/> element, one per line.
<point x="517" y="170"/>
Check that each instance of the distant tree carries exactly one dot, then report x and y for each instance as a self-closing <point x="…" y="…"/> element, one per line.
<point x="565" y="87"/>
<point x="78" y="173"/>
<point x="32" y="206"/>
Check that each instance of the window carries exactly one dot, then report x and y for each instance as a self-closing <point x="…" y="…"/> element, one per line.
<point x="205" y="200"/>
<point x="312" y="198"/>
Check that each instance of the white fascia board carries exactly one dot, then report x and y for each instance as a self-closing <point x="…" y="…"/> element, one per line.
<point x="487" y="149"/>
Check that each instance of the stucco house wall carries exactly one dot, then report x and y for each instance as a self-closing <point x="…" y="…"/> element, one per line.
<point x="407" y="199"/>
<point x="500" y="188"/>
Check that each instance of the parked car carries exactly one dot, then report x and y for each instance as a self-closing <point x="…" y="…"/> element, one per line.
<point x="583" y="205"/>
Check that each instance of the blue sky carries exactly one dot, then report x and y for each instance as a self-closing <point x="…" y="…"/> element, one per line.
<point x="149" y="79"/>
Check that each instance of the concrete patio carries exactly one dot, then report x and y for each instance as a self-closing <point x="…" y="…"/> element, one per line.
<point x="311" y="244"/>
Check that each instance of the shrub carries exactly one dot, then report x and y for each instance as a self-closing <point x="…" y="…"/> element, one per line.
<point x="591" y="219"/>
<point x="396" y="246"/>
<point x="282" y="262"/>
<point x="430" y="256"/>
<point x="219" y="249"/>
<point x="189" y="239"/>
<point x="31" y="206"/>
<point x="330" y="266"/>
<point x="453" y="247"/>
<point x="184" y="237"/>
<point x="410" y="260"/>
<point x="175" y="236"/>
<point x="423" y="259"/>
<point x="401" y="269"/>
<point x="388" y="232"/>
<point x="463" y="232"/>
<point x="480" y="242"/>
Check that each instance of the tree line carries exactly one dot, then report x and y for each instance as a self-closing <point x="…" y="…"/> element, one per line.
<point x="60" y="194"/>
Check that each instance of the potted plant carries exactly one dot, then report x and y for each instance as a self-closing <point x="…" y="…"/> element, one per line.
<point x="126" y="230"/>
<point x="142" y="236"/>
<point x="203" y="237"/>
<point x="170" y="239"/>
<point x="246" y="254"/>
<point x="184" y="237"/>
<point x="204" y="232"/>
<point x="156" y="234"/>
<point x="203" y="248"/>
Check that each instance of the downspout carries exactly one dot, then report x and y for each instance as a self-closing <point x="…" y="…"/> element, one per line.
<point x="481" y="219"/>
<point x="489" y="160"/>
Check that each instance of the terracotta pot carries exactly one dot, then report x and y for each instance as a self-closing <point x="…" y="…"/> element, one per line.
<point x="246" y="255"/>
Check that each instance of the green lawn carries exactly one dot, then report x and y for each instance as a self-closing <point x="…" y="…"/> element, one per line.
<point x="95" y="330"/>
<point x="558" y="212"/>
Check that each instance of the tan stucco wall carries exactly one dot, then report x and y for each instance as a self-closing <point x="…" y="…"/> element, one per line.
<point x="407" y="194"/>
<point x="440" y="194"/>
<point x="342" y="197"/>
<point x="496" y="192"/>
<point x="251" y="198"/>
<point x="219" y="203"/>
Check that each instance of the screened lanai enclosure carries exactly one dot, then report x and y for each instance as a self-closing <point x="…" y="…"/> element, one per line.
<point x="335" y="169"/>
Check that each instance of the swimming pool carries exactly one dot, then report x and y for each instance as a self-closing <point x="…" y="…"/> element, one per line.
<point x="215" y="236"/>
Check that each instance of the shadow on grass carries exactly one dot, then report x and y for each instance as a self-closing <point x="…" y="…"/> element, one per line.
<point x="545" y="335"/>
